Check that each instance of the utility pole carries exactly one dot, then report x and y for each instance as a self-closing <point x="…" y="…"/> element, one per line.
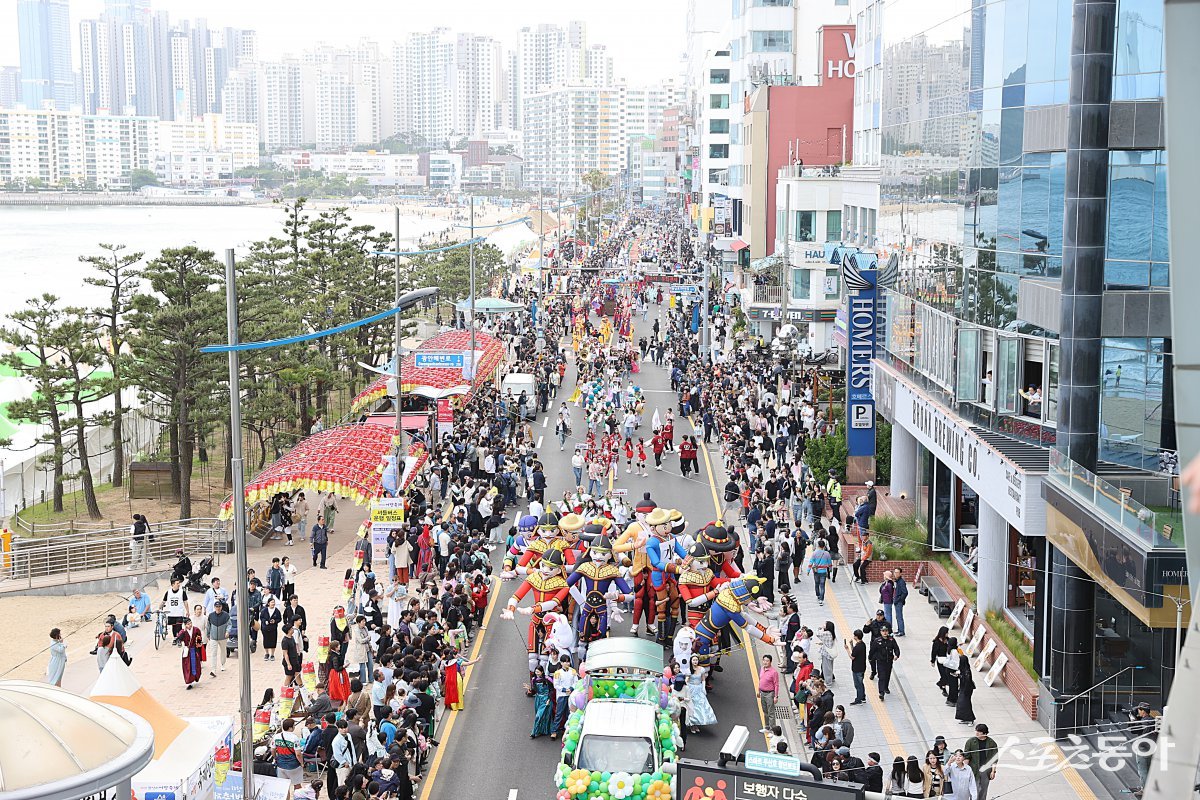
<point x="471" y="264"/>
<point x="399" y="358"/>
<point x="245" y="704"/>
<point x="787" y="262"/>
<point x="541" y="241"/>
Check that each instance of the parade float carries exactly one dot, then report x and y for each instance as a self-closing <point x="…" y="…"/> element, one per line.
<point x="620" y="741"/>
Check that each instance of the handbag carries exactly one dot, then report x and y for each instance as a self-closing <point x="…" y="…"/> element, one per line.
<point x="128" y="659"/>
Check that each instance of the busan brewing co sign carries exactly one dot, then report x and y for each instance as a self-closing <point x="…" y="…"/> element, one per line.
<point x="861" y="312"/>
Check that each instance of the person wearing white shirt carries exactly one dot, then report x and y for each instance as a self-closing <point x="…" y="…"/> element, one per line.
<point x="536" y="509"/>
<point x="214" y="594"/>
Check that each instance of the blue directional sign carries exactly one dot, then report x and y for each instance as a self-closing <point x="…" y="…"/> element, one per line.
<point x="439" y="359"/>
<point x="772" y="763"/>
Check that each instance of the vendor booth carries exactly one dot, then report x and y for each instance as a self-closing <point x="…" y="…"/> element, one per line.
<point x="184" y="765"/>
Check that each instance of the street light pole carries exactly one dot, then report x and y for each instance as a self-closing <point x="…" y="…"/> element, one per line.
<point x="399" y="354"/>
<point x="471" y="265"/>
<point x="246" y="704"/>
<point x="541" y="241"/>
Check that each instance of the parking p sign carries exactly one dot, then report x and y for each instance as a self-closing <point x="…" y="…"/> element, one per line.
<point x="862" y="415"/>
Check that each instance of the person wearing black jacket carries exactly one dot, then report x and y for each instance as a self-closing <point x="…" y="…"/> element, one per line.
<point x="937" y="651"/>
<point x="886" y="653"/>
<point x="873" y="627"/>
<point x="858" y="667"/>
<point x="872" y="774"/>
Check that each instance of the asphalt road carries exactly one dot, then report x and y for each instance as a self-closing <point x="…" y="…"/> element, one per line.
<point x="487" y="753"/>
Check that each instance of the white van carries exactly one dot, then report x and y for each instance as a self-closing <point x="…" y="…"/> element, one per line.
<point x="518" y="382"/>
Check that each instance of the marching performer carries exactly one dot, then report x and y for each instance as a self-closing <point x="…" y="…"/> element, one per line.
<point x="726" y="612"/>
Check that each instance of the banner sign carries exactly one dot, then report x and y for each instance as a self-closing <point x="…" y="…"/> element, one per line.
<point x="439" y="359"/>
<point x="445" y="416"/>
<point x="859" y="274"/>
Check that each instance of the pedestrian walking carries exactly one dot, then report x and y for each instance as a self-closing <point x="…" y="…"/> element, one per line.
<point x="139" y="543"/>
<point x="320" y="541"/>
<point x="58" y="658"/>
<point x="964" y="708"/>
<point x="981" y="752"/>
<point x="193" y="655"/>
<point x="826" y="637"/>
<point x="960" y="780"/>
<point x="217" y="634"/>
<point x="819" y="566"/>
<point x="886" y="653"/>
<point x="270" y="619"/>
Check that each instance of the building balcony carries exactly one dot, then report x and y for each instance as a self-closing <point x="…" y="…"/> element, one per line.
<point x="767" y="295"/>
<point x="798" y="171"/>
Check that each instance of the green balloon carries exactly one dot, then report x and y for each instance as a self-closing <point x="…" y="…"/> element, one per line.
<point x="604" y="776"/>
<point x="593" y="787"/>
<point x="596" y="776"/>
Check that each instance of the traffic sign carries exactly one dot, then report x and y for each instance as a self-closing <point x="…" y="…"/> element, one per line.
<point x="702" y="780"/>
<point x="772" y="763"/>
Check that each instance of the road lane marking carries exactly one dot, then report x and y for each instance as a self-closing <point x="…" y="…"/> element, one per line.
<point x="747" y="643"/>
<point x="431" y="776"/>
<point x="544" y="421"/>
<point x="539" y="443"/>
<point x="512" y="794"/>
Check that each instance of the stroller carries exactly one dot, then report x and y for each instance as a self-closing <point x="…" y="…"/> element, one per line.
<point x="195" y="581"/>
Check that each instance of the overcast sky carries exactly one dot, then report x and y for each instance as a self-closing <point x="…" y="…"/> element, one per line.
<point x="646" y="37"/>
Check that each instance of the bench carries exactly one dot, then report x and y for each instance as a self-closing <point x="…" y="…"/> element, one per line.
<point x="939" y="598"/>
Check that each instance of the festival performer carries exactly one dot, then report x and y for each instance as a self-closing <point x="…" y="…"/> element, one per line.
<point x="633" y="541"/>
<point x="728" y="609"/>
<point x="193" y="652"/>
<point x="549" y="587"/>
<point x="663" y="569"/>
<point x="598" y="575"/>
<point x="544" y="534"/>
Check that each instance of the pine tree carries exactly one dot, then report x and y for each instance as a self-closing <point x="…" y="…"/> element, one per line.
<point x="36" y="358"/>
<point x="121" y="278"/>
<point x="183" y="313"/>
<point x="80" y="354"/>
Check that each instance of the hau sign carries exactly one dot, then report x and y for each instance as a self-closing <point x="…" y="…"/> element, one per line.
<point x="841" y="67"/>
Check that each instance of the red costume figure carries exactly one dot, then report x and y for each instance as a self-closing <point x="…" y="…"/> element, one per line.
<point x="698" y="585"/>
<point x="633" y="542"/>
<point x="549" y="586"/>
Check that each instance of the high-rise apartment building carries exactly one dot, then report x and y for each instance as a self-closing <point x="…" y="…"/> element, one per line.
<point x="10" y="86"/>
<point x="285" y="102"/>
<point x="346" y="94"/>
<point x="68" y="148"/>
<point x="134" y="60"/>
<point x="551" y="55"/>
<point x="44" y="33"/>
<point x="427" y="71"/>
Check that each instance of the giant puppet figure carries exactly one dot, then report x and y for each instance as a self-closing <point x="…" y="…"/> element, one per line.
<point x="548" y="584"/>
<point x="633" y="541"/>
<point x="698" y="585"/>
<point x="598" y="576"/>
<point x="663" y="570"/>
<point x="727" y="611"/>
<point x="551" y="533"/>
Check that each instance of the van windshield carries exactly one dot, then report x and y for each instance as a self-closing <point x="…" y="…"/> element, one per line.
<point x="616" y="754"/>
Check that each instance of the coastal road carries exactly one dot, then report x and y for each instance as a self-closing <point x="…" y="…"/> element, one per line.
<point x="486" y="750"/>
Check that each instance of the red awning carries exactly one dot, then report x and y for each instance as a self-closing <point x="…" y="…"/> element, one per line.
<point x="738" y="245"/>
<point x="347" y="460"/>
<point x="413" y="378"/>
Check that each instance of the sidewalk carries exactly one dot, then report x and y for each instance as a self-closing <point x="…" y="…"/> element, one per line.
<point x="160" y="671"/>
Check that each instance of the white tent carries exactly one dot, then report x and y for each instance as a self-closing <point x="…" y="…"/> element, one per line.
<point x="184" y="748"/>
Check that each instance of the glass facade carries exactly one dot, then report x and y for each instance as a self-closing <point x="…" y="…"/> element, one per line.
<point x="972" y="198"/>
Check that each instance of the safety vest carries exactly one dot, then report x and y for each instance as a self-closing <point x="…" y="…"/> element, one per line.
<point x="834" y="489"/>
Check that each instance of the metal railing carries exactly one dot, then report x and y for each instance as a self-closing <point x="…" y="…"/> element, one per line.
<point x="768" y="294"/>
<point x="1131" y="516"/>
<point x="95" y="555"/>
<point x="1091" y="697"/>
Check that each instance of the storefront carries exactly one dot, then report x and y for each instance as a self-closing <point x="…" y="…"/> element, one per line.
<point x="977" y="493"/>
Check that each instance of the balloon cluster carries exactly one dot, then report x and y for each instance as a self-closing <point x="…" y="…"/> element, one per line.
<point x="582" y="784"/>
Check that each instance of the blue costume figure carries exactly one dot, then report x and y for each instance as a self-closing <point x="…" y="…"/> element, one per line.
<point x="598" y="575"/>
<point x="526" y="530"/>
<point x="663" y="569"/>
<point x="726" y="611"/>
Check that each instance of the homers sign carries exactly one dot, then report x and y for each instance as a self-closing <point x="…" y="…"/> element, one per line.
<point x="840" y="67"/>
<point x="859" y="276"/>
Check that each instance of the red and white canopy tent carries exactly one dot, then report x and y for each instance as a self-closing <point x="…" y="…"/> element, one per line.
<point x="436" y="382"/>
<point x="348" y="460"/>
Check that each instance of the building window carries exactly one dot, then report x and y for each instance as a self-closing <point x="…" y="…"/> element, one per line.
<point x="772" y="3"/>
<point x="803" y="226"/>
<point x="771" y="41"/>
<point x="718" y="126"/>
<point x="833" y="225"/>
<point x="718" y="101"/>
<point x="801" y="283"/>
<point x="718" y="151"/>
<point x="718" y="76"/>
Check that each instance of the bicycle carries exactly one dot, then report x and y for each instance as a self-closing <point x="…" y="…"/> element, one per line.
<point x="160" y="628"/>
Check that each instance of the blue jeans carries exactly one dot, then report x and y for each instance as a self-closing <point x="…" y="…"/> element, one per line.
<point x="860" y="691"/>
<point x="887" y="614"/>
<point x="593" y="486"/>
<point x="819" y="585"/>
<point x="898" y="611"/>
<point x="578" y="475"/>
